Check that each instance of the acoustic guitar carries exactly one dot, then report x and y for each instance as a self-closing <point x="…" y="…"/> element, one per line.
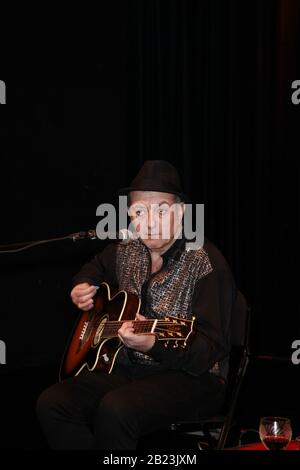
<point x="94" y="343"/>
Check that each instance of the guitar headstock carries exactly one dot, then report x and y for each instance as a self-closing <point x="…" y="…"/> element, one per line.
<point x="175" y="330"/>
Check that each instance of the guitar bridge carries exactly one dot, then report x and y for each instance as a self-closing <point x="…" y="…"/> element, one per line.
<point x="83" y="331"/>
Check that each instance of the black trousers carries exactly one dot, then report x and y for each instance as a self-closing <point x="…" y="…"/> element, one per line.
<point x="110" y="411"/>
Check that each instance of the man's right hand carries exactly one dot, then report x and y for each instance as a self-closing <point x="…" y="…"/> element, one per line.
<point x="82" y="296"/>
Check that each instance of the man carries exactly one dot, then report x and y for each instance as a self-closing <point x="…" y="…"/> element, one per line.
<point x="150" y="385"/>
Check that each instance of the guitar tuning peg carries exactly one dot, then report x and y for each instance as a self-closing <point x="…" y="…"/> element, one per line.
<point x="175" y="345"/>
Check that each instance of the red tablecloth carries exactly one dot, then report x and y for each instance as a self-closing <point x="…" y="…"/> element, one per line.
<point x="293" y="445"/>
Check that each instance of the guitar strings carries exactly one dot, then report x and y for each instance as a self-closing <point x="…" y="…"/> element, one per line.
<point x="136" y="322"/>
<point x="110" y="327"/>
<point x="172" y="329"/>
<point x="142" y="326"/>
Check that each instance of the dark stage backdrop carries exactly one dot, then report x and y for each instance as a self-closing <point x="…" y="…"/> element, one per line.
<point x="205" y="85"/>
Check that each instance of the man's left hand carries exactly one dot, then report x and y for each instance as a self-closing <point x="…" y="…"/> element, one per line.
<point x="142" y="343"/>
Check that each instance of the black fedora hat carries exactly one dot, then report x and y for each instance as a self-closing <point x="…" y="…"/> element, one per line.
<point x="156" y="175"/>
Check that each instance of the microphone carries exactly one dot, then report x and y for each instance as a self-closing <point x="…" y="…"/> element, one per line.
<point x="91" y="234"/>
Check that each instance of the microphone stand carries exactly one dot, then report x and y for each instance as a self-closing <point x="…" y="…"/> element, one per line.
<point x="6" y="249"/>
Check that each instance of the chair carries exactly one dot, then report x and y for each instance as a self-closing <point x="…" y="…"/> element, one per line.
<point x="238" y="362"/>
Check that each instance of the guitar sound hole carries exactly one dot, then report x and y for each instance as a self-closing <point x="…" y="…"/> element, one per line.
<point x="98" y="334"/>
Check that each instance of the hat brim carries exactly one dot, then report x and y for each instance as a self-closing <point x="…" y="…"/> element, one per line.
<point x="126" y="191"/>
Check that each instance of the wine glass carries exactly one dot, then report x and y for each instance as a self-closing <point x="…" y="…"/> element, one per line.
<point x="275" y="432"/>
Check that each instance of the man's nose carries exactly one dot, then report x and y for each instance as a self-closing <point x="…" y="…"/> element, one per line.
<point x="151" y="219"/>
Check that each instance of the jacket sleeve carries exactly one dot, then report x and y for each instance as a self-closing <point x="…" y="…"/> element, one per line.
<point x="211" y="305"/>
<point x="101" y="268"/>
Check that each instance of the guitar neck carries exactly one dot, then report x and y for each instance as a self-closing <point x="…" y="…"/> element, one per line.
<point x="172" y="328"/>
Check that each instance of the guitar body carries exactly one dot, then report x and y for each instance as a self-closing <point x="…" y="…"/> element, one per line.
<point x="86" y="347"/>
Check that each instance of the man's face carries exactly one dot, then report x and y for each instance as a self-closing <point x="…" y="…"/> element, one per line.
<point x="156" y="217"/>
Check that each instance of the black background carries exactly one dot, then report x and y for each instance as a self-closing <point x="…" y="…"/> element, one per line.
<point x="205" y="85"/>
